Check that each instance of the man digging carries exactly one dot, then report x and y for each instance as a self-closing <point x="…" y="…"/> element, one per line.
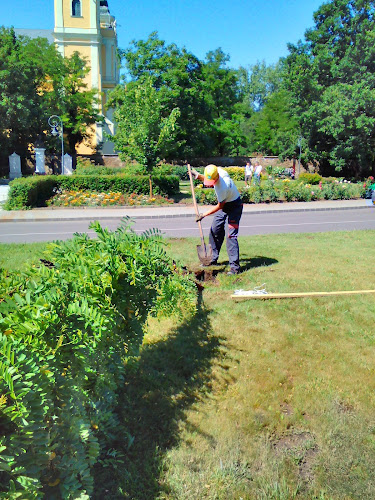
<point x="229" y="207"/>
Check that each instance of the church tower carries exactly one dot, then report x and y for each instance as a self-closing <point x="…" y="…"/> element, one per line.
<point x="86" y="26"/>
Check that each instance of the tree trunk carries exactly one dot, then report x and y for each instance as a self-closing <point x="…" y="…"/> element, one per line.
<point x="150" y="180"/>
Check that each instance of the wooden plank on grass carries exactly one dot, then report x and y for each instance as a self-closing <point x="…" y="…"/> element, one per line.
<point x="296" y="295"/>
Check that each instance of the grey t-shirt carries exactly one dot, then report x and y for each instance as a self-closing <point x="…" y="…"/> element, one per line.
<point x="225" y="188"/>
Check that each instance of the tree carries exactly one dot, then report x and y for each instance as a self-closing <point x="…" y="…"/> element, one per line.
<point x="221" y="94"/>
<point x="143" y="133"/>
<point x="259" y="82"/>
<point x="20" y="102"/>
<point x="276" y="131"/>
<point x="257" y="85"/>
<point x="36" y="82"/>
<point x="331" y="77"/>
<point x="177" y="75"/>
<point x="206" y="92"/>
<point x="69" y="97"/>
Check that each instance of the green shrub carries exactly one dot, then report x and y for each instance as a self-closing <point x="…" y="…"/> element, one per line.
<point x="206" y="196"/>
<point x="236" y="173"/>
<point x="67" y="329"/>
<point x="30" y="192"/>
<point x="252" y="194"/>
<point x="329" y="180"/>
<point x="179" y="170"/>
<point x="343" y="191"/>
<point x="270" y="193"/>
<point x="309" y="178"/>
<point x="34" y="191"/>
<point x="136" y="169"/>
<point x="97" y="170"/>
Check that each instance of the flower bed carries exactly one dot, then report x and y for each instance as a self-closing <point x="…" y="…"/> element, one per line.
<point x="92" y="199"/>
<point x="289" y="190"/>
<point x="30" y="192"/>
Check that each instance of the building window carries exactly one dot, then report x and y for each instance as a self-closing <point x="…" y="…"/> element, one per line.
<point x="76" y="8"/>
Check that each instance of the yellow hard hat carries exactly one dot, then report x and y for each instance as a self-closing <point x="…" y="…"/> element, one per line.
<point x="211" y="175"/>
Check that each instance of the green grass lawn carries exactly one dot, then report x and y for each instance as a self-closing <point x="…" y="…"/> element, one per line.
<point x="256" y="399"/>
<point x="17" y="256"/>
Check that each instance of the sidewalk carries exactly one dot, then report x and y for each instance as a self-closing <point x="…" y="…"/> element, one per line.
<point x="168" y="211"/>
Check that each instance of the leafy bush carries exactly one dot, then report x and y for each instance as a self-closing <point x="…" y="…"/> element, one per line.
<point x="99" y="170"/>
<point x="309" y="178"/>
<point x="31" y="192"/>
<point x="252" y="194"/>
<point x="236" y="173"/>
<point x="179" y="170"/>
<point x="269" y="192"/>
<point x="67" y="329"/>
<point x="206" y="196"/>
<point x="135" y="169"/>
<point x="86" y="166"/>
<point x="329" y="180"/>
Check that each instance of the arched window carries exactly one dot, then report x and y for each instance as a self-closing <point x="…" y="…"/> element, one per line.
<point x="76" y="8"/>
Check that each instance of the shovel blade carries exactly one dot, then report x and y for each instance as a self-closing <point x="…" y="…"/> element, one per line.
<point x="205" y="254"/>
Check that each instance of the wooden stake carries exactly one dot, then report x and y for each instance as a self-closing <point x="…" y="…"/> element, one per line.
<point x="297" y="295"/>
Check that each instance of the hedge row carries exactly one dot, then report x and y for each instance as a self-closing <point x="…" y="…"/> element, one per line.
<point x="88" y="168"/>
<point x="289" y="191"/>
<point x="68" y="329"/>
<point x="29" y="192"/>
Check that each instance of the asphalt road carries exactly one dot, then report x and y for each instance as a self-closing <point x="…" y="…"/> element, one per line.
<point x="251" y="224"/>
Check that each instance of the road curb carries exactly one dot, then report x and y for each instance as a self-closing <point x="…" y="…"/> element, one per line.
<point x="175" y="216"/>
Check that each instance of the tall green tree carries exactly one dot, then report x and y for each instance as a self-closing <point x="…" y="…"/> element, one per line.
<point x="144" y="133"/>
<point x="276" y="130"/>
<point x="20" y="102"/>
<point x="222" y="94"/>
<point x="177" y="75"/>
<point x="206" y="92"/>
<point x="258" y="82"/>
<point x="68" y="96"/>
<point x="260" y="111"/>
<point x="331" y="77"/>
<point x="35" y="83"/>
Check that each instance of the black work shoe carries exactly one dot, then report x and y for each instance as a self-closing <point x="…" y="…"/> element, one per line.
<point x="212" y="263"/>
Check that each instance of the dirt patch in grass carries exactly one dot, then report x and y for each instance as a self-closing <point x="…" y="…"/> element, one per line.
<point x="286" y="409"/>
<point x="344" y="407"/>
<point x="206" y="275"/>
<point x="301" y="446"/>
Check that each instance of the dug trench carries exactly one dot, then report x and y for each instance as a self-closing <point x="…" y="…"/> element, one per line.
<point x="200" y="275"/>
<point x="206" y="275"/>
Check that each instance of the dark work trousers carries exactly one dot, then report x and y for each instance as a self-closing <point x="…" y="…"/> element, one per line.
<point x="232" y="211"/>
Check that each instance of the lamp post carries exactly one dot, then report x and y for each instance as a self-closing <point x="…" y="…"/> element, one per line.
<point x="55" y="122"/>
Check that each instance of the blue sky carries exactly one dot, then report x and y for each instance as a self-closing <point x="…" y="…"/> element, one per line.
<point x="247" y="30"/>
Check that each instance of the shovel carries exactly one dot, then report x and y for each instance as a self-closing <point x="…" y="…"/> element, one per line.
<point x="204" y="252"/>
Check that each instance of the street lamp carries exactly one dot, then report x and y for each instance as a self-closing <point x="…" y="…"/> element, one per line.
<point x="56" y="124"/>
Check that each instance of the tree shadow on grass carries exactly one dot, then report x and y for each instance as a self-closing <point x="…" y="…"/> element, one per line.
<point x="169" y="376"/>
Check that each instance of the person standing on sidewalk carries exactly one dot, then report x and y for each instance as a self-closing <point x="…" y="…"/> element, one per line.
<point x="257" y="172"/>
<point x="249" y="170"/>
<point x="229" y="207"/>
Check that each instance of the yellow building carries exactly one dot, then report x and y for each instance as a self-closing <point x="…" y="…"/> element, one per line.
<point x="88" y="27"/>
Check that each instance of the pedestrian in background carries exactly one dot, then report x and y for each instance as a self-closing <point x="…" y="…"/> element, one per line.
<point x="249" y="170"/>
<point x="257" y="172"/>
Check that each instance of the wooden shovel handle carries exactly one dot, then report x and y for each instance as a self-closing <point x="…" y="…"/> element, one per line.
<point x="195" y="203"/>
